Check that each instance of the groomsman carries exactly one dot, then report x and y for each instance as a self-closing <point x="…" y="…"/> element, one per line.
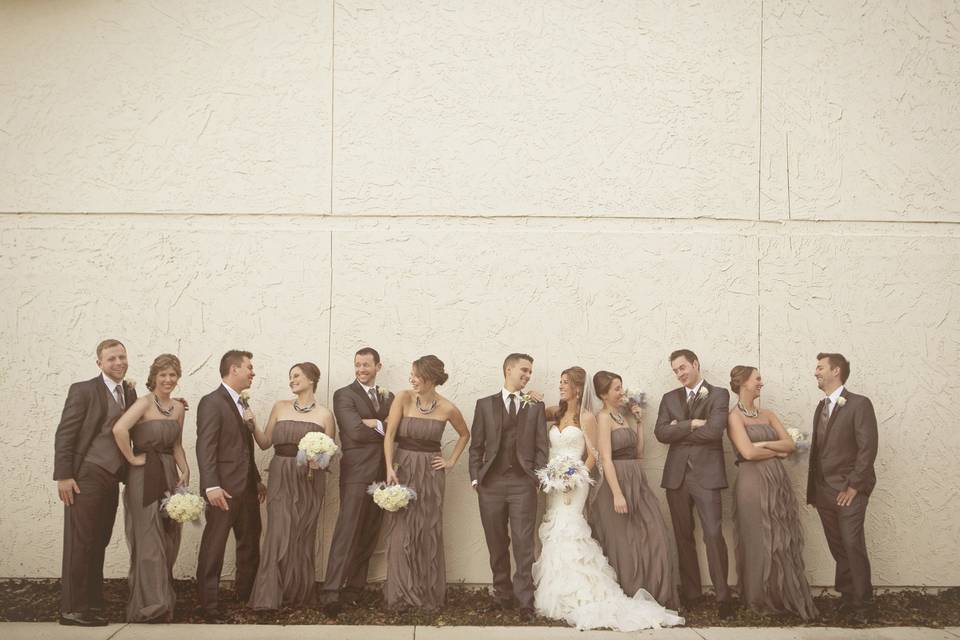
<point x="88" y="468"/>
<point x="692" y="420"/>
<point x="841" y="477"/>
<point x="508" y="443"/>
<point x="230" y="481"/>
<point x="361" y="409"/>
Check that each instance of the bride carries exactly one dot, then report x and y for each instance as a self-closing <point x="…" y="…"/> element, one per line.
<point x="574" y="582"/>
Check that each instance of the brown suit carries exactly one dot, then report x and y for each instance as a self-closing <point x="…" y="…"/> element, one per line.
<point x="358" y="522"/>
<point x="841" y="456"/>
<point x="90" y="410"/>
<point x="694" y="475"/>
<point x="225" y="460"/>
<point x="507" y="489"/>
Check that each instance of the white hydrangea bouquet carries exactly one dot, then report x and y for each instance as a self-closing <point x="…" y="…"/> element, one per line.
<point x="391" y="497"/>
<point x="800" y="439"/>
<point x="182" y="506"/>
<point x="635" y="397"/>
<point x="315" y="451"/>
<point x="563" y="474"/>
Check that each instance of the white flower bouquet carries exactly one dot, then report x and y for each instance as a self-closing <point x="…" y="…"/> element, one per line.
<point x="182" y="506"/>
<point x="635" y="397"/>
<point x="315" y="451"/>
<point x="800" y="439"/>
<point x="391" y="497"/>
<point x="562" y="474"/>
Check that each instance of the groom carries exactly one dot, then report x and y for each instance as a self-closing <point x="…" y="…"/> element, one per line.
<point x="88" y="468"/>
<point x="692" y="420"/>
<point x="361" y="409"/>
<point x="508" y="443"/>
<point x="841" y="477"/>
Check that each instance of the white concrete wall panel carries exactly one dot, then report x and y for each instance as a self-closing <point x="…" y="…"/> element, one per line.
<point x="861" y="110"/>
<point x="553" y="108"/>
<point x="179" y="106"/>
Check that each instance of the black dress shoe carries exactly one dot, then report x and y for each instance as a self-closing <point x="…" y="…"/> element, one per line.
<point x="211" y="614"/>
<point x="80" y="619"/>
<point x="332" y="609"/>
<point x="726" y="609"/>
<point x="690" y="603"/>
<point x="527" y="614"/>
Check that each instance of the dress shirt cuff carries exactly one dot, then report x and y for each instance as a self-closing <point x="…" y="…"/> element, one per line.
<point x="474" y="483"/>
<point x="379" y="428"/>
<point x="209" y="489"/>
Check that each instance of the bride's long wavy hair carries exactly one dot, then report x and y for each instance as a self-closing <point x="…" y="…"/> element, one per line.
<point x="578" y="377"/>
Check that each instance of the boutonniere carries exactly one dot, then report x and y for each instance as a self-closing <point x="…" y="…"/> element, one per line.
<point x="703" y="393"/>
<point x="841" y="401"/>
<point x="130" y="383"/>
<point x="384" y="392"/>
<point x="526" y="400"/>
<point x="245" y="398"/>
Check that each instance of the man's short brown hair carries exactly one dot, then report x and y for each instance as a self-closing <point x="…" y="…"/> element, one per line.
<point x="106" y="344"/>
<point x="837" y="361"/>
<point x="684" y="353"/>
<point x="232" y="358"/>
<point x="514" y="357"/>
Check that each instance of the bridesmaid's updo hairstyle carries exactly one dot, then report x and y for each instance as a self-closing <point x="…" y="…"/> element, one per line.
<point x="739" y="375"/>
<point x="578" y="378"/>
<point x="430" y="368"/>
<point x="161" y="362"/>
<point x="603" y="380"/>
<point x="310" y="370"/>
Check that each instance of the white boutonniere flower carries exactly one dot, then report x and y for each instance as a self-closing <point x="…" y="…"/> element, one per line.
<point x="384" y="392"/>
<point x="130" y="382"/>
<point x="841" y="401"/>
<point x="703" y="393"/>
<point x="245" y="398"/>
<point x="526" y="400"/>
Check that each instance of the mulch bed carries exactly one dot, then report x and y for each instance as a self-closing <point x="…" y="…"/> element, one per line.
<point x="38" y="601"/>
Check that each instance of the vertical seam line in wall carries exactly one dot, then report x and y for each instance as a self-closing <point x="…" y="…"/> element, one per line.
<point x="759" y="305"/>
<point x="330" y="317"/>
<point x="760" y="121"/>
<point x="333" y="53"/>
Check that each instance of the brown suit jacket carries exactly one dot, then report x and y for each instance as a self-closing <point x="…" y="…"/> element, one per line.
<point x="488" y="417"/>
<point x="362" y="447"/>
<point x="847" y="457"/>
<point x="83" y="414"/>
<point x="224" y="445"/>
<point x="702" y="447"/>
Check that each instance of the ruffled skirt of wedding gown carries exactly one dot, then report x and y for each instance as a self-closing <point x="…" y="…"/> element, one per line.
<point x="574" y="582"/>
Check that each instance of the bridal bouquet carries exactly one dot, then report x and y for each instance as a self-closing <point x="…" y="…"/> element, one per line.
<point x="391" y="497"/>
<point x="800" y="439"/>
<point x="182" y="506"/>
<point x="635" y="397"/>
<point x="562" y="474"/>
<point x="315" y="451"/>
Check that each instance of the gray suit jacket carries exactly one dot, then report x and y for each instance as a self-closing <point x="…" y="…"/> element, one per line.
<point x="224" y="445"/>
<point x="850" y="449"/>
<point x="488" y="417"/>
<point x="83" y="415"/>
<point x="702" y="447"/>
<point x="362" y="447"/>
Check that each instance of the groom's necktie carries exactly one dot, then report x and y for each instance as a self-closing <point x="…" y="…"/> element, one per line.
<point x="824" y="420"/>
<point x="119" y="393"/>
<point x="374" y="399"/>
<point x="691" y="396"/>
<point x="513" y="405"/>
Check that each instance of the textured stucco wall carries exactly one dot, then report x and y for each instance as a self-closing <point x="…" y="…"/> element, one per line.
<point x="593" y="183"/>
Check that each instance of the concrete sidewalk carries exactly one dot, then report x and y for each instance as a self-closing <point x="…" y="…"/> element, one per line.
<point x="53" y="631"/>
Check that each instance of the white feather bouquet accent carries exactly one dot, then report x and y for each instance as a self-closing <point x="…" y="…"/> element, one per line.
<point x="563" y="474"/>
<point x="315" y="450"/>
<point x="182" y="506"/>
<point x="391" y="497"/>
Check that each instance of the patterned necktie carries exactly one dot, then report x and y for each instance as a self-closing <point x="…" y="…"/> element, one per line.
<point x="824" y="420"/>
<point x="691" y="396"/>
<point x="513" y="406"/>
<point x="372" y="392"/>
<point x="119" y="392"/>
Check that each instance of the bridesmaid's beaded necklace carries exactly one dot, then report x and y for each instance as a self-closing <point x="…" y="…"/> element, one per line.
<point x="426" y="410"/>
<point x="306" y="409"/>
<point x="166" y="412"/>
<point x="743" y="410"/>
<point x="616" y="417"/>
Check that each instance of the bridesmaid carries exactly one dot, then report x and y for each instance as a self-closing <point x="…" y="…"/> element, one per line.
<point x="769" y="537"/>
<point x="286" y="575"/>
<point x="626" y="515"/>
<point x="154" y="424"/>
<point x="416" y="574"/>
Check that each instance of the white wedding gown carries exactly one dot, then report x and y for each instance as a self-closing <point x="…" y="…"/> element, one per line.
<point x="574" y="582"/>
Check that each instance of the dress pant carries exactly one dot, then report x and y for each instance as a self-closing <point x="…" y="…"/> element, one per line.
<point x="508" y="507"/>
<point x="710" y="510"/>
<point x="244" y="519"/>
<point x="843" y="527"/>
<point x="87" y="526"/>
<point x="354" y="541"/>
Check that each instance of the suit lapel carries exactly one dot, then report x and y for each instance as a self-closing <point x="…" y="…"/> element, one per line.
<point x="833" y="416"/>
<point x="229" y="400"/>
<point x="357" y="389"/>
<point x="499" y="413"/>
<point x="686" y="410"/>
